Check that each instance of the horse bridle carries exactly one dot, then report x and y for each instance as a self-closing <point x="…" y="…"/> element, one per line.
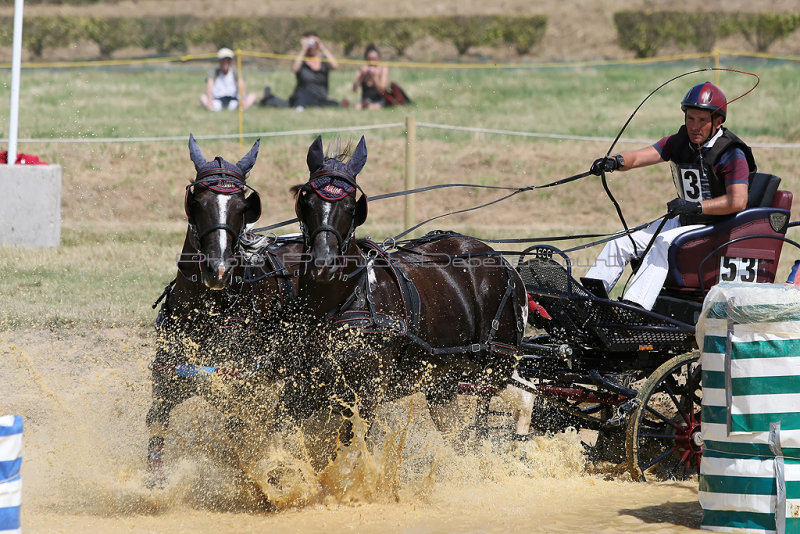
<point x="356" y="219"/>
<point x="208" y="179"/>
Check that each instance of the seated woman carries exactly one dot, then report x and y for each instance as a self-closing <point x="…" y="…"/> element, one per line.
<point x="222" y="86"/>
<point x="372" y="79"/>
<point x="312" y="74"/>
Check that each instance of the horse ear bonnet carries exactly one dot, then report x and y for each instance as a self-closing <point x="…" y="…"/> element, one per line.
<point x="247" y="162"/>
<point x="253" y="210"/>
<point x="194" y="152"/>
<point x="316" y="156"/>
<point x="230" y="181"/>
<point x="337" y="180"/>
<point x="358" y="159"/>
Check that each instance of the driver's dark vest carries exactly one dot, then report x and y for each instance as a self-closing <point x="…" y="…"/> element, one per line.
<point x="693" y="170"/>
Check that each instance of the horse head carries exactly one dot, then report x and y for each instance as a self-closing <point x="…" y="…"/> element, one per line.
<point x="327" y="208"/>
<point x="218" y="211"/>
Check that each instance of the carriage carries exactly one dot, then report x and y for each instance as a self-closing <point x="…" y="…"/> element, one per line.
<point x="632" y="376"/>
<point x="628" y="375"/>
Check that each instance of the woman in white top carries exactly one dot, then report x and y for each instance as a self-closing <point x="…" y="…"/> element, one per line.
<point x="222" y="87"/>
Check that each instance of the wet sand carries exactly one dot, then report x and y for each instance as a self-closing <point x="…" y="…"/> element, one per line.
<point x="84" y="396"/>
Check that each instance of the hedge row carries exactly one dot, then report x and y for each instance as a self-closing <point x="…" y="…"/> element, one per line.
<point x="645" y="32"/>
<point x="280" y="35"/>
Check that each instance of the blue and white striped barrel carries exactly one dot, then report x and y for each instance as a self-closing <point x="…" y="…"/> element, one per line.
<point x="10" y="479"/>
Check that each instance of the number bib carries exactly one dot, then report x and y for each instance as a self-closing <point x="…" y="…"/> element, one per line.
<point x="691" y="182"/>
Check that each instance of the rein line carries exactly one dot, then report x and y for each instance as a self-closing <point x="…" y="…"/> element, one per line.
<point x="606" y="237"/>
<point x="406" y="192"/>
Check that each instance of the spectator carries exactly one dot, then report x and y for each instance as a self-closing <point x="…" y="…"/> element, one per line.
<point x="223" y="88"/>
<point x="312" y="74"/>
<point x="372" y="79"/>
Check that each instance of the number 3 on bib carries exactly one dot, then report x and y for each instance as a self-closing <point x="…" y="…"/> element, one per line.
<point x="690" y="184"/>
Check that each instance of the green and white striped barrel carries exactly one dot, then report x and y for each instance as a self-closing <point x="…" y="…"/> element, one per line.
<point x="749" y="335"/>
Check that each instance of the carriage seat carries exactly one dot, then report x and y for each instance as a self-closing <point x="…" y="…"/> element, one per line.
<point x="743" y="247"/>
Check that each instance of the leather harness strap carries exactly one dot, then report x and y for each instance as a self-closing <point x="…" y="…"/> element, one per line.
<point x="367" y="319"/>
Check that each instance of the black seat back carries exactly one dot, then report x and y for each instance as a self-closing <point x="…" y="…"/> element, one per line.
<point x="762" y="190"/>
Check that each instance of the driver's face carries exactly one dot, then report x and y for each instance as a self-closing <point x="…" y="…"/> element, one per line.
<point x="699" y="125"/>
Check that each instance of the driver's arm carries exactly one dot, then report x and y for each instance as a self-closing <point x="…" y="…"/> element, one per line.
<point x="733" y="201"/>
<point x="640" y="158"/>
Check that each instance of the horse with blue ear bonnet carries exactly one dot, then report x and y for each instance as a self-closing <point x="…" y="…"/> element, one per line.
<point x="219" y="315"/>
<point x="436" y="311"/>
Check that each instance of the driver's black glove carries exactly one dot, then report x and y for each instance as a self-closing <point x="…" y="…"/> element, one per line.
<point x="679" y="206"/>
<point x="607" y="164"/>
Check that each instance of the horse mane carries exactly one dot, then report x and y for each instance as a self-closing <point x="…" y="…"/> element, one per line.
<point x="336" y="155"/>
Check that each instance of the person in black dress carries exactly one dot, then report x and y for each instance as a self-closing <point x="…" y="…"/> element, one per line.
<point x="311" y="68"/>
<point x="372" y="79"/>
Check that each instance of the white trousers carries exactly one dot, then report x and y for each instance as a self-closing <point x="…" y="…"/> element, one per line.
<point x="647" y="283"/>
<point x="216" y="105"/>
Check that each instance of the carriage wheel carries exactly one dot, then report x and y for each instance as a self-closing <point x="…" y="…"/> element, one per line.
<point x="663" y="440"/>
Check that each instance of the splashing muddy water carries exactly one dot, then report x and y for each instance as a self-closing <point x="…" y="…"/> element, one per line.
<point x="84" y="396"/>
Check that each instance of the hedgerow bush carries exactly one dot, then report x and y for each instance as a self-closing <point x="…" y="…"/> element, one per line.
<point x="645" y="32"/>
<point x="763" y="29"/>
<point x="39" y="33"/>
<point x="277" y="34"/>
<point x="166" y="34"/>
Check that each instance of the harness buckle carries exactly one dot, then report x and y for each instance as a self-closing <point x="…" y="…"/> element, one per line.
<point x="476" y="347"/>
<point x="193" y="278"/>
<point x="495" y="324"/>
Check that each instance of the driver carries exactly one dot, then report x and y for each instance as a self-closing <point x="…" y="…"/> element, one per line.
<point x="711" y="168"/>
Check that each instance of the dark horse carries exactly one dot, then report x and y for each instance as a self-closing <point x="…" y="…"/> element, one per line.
<point x="443" y="309"/>
<point x="219" y="312"/>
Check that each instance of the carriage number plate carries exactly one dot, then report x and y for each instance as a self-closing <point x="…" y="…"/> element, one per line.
<point x="738" y="269"/>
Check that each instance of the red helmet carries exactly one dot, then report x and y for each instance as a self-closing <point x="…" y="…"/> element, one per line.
<point x="706" y="96"/>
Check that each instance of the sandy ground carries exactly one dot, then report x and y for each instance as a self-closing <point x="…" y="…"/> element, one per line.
<point x="84" y="392"/>
<point x="83" y="396"/>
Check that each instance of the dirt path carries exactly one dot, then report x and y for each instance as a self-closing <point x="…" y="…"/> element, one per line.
<point x="83" y="396"/>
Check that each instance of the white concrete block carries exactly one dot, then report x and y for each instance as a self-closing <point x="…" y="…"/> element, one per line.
<point x="30" y="205"/>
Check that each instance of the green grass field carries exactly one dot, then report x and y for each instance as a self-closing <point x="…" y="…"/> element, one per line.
<point x="122" y="207"/>
<point x="163" y="100"/>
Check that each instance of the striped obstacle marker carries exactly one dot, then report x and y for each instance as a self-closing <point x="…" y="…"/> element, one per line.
<point x="749" y="336"/>
<point x="10" y="480"/>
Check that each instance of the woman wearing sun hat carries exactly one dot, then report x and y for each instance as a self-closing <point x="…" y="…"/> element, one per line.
<point x="223" y="86"/>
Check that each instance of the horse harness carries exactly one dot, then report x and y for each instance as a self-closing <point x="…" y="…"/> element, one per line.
<point x="255" y="253"/>
<point x="359" y="310"/>
<point x="234" y="183"/>
<point x="333" y="185"/>
<point x="269" y="265"/>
